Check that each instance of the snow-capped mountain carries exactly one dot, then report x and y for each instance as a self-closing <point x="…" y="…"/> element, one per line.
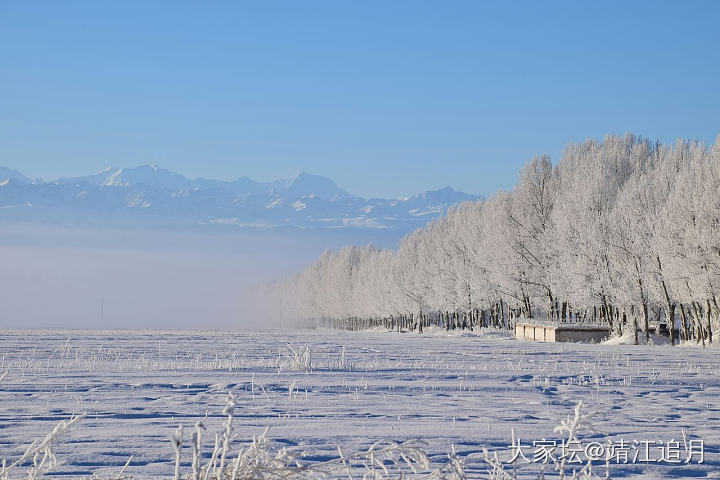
<point x="307" y="184"/>
<point x="150" y="175"/>
<point x="10" y="174"/>
<point x="148" y="193"/>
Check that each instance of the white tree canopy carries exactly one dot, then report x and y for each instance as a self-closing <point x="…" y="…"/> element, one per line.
<point x="615" y="228"/>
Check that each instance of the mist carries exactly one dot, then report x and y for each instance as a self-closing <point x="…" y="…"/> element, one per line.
<point x="153" y="278"/>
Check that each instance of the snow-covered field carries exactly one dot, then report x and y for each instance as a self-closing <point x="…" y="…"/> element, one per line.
<point x="469" y="391"/>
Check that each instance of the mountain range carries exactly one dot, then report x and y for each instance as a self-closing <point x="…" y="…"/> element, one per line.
<point x="148" y="194"/>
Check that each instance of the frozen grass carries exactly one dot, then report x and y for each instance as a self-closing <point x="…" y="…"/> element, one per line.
<point x="383" y="460"/>
<point x="297" y="360"/>
<point x="359" y="388"/>
<point x="39" y="458"/>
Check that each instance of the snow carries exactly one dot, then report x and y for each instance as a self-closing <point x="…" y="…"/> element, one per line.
<point x="275" y="203"/>
<point x="112" y="180"/>
<point x="469" y="390"/>
<point x="629" y="339"/>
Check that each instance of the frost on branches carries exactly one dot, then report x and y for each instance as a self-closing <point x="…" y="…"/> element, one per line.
<point x="623" y="232"/>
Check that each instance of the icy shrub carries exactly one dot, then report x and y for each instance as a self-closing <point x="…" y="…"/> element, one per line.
<point x="297" y="360"/>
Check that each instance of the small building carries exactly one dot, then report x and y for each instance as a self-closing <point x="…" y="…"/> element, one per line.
<point x="538" y="332"/>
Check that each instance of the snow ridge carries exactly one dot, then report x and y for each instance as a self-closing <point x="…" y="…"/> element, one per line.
<point x="127" y="195"/>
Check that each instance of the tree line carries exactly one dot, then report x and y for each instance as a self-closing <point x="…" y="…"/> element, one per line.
<point x="623" y="232"/>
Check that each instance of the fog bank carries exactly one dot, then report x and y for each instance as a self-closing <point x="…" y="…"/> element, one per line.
<point x="58" y="277"/>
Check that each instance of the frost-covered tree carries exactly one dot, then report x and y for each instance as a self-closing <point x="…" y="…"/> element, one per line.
<point x="622" y="232"/>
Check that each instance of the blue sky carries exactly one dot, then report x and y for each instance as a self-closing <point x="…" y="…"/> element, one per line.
<point x="386" y="97"/>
